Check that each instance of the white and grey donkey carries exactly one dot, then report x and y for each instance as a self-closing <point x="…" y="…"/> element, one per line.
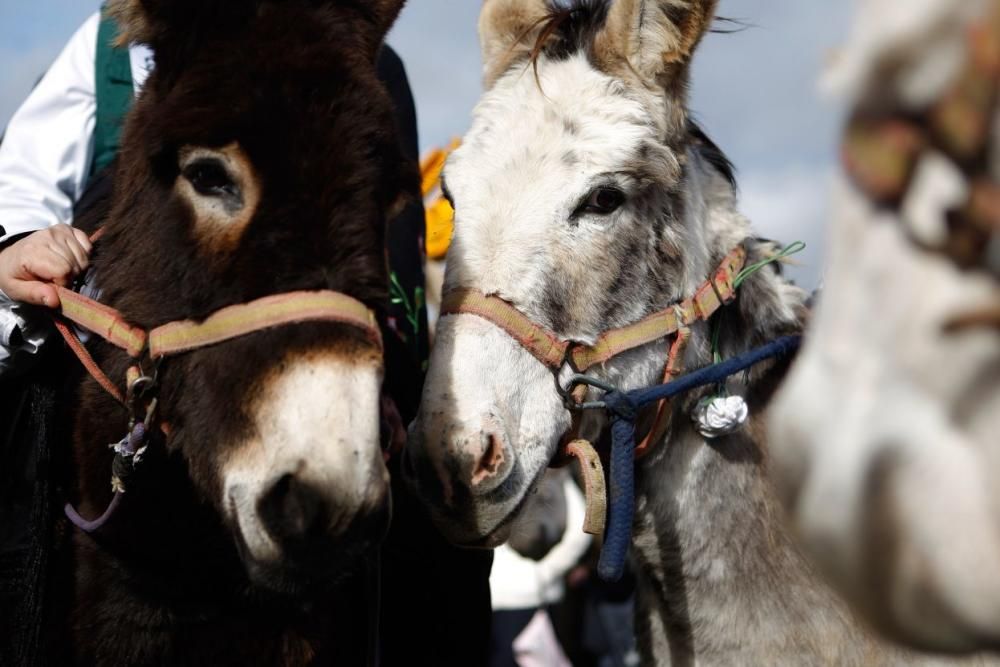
<point x="886" y="437"/>
<point x="587" y="199"/>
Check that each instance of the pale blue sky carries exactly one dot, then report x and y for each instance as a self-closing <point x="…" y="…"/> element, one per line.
<point x="754" y="91"/>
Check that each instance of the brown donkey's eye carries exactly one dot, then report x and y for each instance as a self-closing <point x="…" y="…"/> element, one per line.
<point x="210" y="179"/>
<point x="603" y="200"/>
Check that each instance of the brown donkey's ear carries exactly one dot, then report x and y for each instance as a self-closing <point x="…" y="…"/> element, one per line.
<point x="385" y="13"/>
<point x="380" y="14"/>
<point x="172" y="26"/>
<point x="654" y="38"/>
<point x="507" y="33"/>
<point x="133" y="23"/>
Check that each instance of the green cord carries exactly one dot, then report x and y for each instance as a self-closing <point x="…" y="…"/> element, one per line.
<point x="398" y="297"/>
<point x="788" y="251"/>
<point x="716" y="355"/>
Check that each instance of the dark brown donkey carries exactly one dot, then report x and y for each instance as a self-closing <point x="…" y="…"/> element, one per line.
<point x="260" y="159"/>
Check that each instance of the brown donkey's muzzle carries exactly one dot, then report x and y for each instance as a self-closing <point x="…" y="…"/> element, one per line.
<point x="297" y="515"/>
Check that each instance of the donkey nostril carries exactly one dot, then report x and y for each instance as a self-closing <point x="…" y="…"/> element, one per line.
<point x="492" y="459"/>
<point x="289" y="509"/>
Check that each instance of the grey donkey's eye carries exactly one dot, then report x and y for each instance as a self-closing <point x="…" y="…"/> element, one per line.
<point x="602" y="201"/>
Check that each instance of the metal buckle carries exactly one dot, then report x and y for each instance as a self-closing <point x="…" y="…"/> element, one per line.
<point x="140" y="397"/>
<point x="578" y="379"/>
<point x="575" y="380"/>
<point x="139" y="387"/>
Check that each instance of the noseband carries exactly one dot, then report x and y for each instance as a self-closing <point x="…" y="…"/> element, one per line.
<point x="545" y="345"/>
<point x="672" y="322"/>
<point x="554" y="353"/>
<point x="174" y="338"/>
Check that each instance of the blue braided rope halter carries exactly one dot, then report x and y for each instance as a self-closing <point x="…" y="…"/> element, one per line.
<point x="623" y="408"/>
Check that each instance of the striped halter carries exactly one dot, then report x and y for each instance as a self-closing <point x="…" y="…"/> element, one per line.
<point x="175" y="338"/>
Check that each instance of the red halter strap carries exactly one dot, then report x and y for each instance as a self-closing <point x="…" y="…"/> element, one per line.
<point x="225" y="324"/>
<point x="553" y="352"/>
<point x="549" y="349"/>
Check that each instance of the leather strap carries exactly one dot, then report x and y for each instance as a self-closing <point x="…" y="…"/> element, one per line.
<point x="225" y="324"/>
<point x="268" y="312"/>
<point x="104" y="321"/>
<point x="543" y="345"/>
<point x="670" y="372"/>
<point x="707" y="299"/>
<point x="594" y="487"/>
<point x="74" y="344"/>
<point x="546" y="346"/>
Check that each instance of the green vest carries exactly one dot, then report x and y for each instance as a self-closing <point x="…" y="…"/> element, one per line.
<point x="113" y="86"/>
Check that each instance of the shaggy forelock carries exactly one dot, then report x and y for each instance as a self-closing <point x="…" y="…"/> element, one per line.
<point x="571" y="27"/>
<point x="534" y="150"/>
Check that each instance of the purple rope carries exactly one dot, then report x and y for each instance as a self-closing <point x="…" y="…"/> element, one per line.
<point x="98" y="523"/>
<point x="135" y="439"/>
<point x="129" y="447"/>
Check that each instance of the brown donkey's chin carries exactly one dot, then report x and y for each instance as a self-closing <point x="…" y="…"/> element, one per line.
<point x="314" y="550"/>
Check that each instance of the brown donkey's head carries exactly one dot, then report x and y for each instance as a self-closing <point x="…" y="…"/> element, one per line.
<point x="262" y="158"/>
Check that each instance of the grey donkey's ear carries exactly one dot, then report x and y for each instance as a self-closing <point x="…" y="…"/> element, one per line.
<point x="507" y="32"/>
<point x="653" y="38"/>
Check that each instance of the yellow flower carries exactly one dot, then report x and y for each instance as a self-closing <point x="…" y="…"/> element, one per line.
<point x="440" y="223"/>
<point x="440" y="215"/>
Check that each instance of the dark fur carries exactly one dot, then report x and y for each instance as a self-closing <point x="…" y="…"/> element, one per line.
<point x="294" y="84"/>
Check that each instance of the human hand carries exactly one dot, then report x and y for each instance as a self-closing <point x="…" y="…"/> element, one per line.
<point x="30" y="267"/>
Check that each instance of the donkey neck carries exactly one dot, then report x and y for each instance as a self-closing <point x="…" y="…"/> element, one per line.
<point x="720" y="580"/>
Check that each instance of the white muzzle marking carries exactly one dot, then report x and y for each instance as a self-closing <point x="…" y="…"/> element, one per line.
<point x="316" y="418"/>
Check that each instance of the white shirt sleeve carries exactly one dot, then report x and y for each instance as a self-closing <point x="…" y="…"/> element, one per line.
<point x="46" y="152"/>
<point x="44" y="165"/>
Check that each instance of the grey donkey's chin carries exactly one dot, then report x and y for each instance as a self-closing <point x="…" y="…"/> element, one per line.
<point x="495" y="538"/>
<point x="473" y="536"/>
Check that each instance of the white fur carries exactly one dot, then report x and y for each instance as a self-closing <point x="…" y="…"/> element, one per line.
<point x="514" y="195"/>
<point x="516" y="200"/>
<point x="318" y="419"/>
<point x="877" y="63"/>
<point x="746" y="592"/>
<point x="720" y="580"/>
<point x="886" y="432"/>
<point x="879" y="378"/>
